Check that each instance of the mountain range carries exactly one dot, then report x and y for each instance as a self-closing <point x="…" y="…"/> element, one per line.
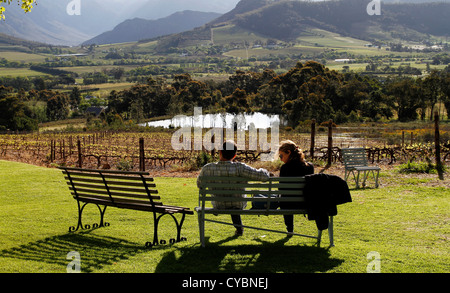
<point x="49" y="22"/>
<point x="288" y="20"/>
<point x="136" y="29"/>
<point x="132" y="20"/>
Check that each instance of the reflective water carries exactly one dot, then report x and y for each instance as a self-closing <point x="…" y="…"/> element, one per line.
<point x="222" y="120"/>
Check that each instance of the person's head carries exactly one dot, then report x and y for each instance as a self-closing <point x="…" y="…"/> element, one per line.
<point x="288" y="151"/>
<point x="229" y="150"/>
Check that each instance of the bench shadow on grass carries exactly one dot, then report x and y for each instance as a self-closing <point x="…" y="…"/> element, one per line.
<point x="96" y="251"/>
<point x="269" y="257"/>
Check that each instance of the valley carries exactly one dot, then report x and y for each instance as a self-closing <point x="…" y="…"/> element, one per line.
<point x="244" y="43"/>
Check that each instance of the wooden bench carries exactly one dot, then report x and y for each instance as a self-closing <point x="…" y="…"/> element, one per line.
<point x="120" y="189"/>
<point x="219" y="188"/>
<point x="355" y="161"/>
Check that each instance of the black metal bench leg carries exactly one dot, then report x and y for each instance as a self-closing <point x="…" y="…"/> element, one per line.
<point x="155" y="229"/>
<point x="80" y="213"/>
<point x="179" y="226"/>
<point x="102" y="214"/>
<point x="80" y="216"/>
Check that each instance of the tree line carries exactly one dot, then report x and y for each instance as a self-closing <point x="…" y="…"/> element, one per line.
<point x="307" y="91"/>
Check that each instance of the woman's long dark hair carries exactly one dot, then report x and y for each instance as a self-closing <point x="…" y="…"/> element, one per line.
<point x="288" y="146"/>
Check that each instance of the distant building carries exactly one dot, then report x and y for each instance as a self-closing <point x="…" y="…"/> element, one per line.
<point x="89" y="97"/>
<point x="96" y="110"/>
<point x="71" y="55"/>
<point x="344" y="60"/>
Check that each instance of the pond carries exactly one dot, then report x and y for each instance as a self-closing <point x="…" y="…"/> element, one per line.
<point x="221" y="120"/>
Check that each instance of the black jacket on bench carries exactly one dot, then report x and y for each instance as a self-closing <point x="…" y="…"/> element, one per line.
<point x="323" y="193"/>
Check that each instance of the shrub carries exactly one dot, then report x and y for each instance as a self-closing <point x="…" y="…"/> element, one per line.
<point x="124" y="165"/>
<point x="419" y="167"/>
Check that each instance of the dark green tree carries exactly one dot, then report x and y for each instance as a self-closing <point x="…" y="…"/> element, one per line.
<point x="58" y="107"/>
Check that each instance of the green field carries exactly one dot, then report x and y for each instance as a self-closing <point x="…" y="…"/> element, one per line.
<point x="22" y="72"/>
<point x="21" y="56"/>
<point x="405" y="221"/>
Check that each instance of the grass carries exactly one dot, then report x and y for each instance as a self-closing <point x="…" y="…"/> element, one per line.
<point x="25" y="57"/>
<point x="22" y="72"/>
<point x="405" y="221"/>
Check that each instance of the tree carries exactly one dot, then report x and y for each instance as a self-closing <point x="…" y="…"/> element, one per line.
<point x="58" y="107"/>
<point x="237" y="102"/>
<point x="407" y="96"/>
<point x="14" y="115"/>
<point x="75" y="97"/>
<point x="432" y="89"/>
<point x="26" y="5"/>
<point x="446" y="92"/>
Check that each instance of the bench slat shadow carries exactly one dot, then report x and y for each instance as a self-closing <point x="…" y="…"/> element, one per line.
<point x="96" y="251"/>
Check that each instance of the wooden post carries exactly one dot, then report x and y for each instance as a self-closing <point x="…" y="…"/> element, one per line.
<point x="63" y="154"/>
<point x="80" y="159"/>
<point x="313" y="138"/>
<point x="141" y="155"/>
<point x="51" y="150"/>
<point x="330" y="142"/>
<point x="437" y="144"/>
<point x="70" y="145"/>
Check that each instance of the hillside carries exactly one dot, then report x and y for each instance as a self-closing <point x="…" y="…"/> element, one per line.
<point x="288" y="20"/>
<point x="50" y="23"/>
<point x="138" y="29"/>
<point x="12" y="41"/>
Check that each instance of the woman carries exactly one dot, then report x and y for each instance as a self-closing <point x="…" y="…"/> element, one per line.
<point x="294" y="166"/>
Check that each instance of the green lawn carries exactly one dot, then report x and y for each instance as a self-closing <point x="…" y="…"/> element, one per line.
<point x="405" y="221"/>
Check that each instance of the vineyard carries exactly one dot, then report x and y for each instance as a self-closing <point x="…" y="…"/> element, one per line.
<point x="153" y="150"/>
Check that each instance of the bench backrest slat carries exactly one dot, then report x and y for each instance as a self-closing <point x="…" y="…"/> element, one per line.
<point x="222" y="192"/>
<point x="130" y="177"/>
<point x="220" y="188"/>
<point x="87" y="196"/>
<point x="354" y="157"/>
<point x="121" y="187"/>
<point x="113" y="193"/>
<point x="110" y="182"/>
<point x="111" y="186"/>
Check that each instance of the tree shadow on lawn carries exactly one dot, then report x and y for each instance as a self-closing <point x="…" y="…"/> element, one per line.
<point x="95" y="251"/>
<point x="269" y="257"/>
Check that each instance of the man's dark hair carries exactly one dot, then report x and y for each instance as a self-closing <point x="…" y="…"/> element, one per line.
<point x="229" y="149"/>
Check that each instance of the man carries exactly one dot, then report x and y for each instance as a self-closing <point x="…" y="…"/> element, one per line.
<point x="226" y="167"/>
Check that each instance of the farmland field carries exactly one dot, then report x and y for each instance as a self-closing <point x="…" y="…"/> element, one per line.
<point x="23" y="57"/>
<point x="385" y="143"/>
<point x="22" y="72"/>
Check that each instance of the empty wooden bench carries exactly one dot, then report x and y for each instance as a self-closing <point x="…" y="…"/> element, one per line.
<point x="120" y="189"/>
<point x="355" y="161"/>
<point x="220" y="189"/>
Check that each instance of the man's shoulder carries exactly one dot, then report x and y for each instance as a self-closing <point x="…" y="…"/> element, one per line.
<point x="208" y="166"/>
